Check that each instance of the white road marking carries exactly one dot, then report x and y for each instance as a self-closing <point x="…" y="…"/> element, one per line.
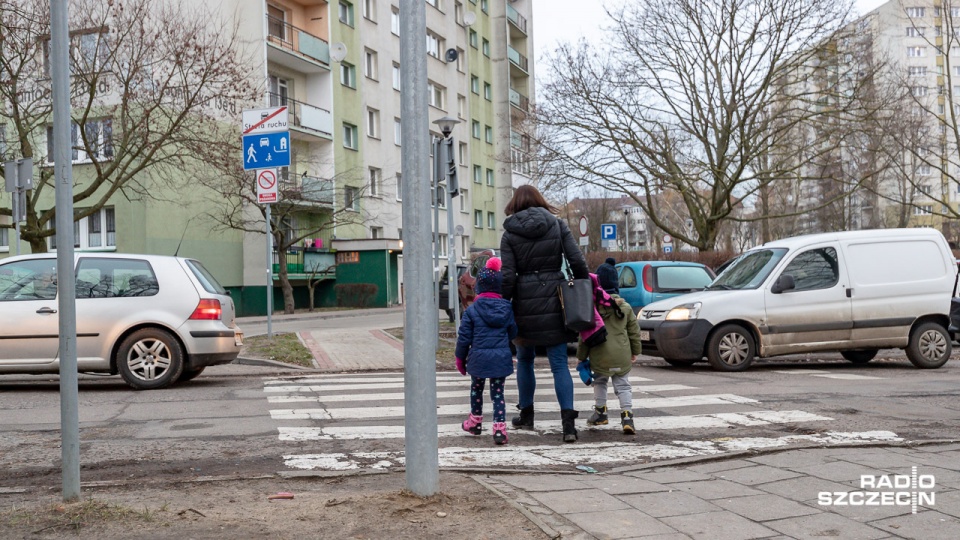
<point x="828" y="374"/>
<point x="365" y="413"/>
<point x="561" y="455"/>
<point x="655" y="423"/>
<point x="398" y="377"/>
<point x="465" y="394"/>
<point x="324" y="385"/>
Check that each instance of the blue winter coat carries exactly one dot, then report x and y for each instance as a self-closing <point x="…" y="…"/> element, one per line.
<point x="484" y="338"/>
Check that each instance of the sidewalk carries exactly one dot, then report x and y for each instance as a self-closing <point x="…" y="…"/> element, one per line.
<point x="870" y="491"/>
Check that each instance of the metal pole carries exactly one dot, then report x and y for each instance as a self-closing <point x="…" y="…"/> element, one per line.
<point x="66" y="281"/>
<point x="269" y="276"/>
<point x="16" y="217"/>
<point x="437" y="150"/>
<point x="452" y="294"/>
<point x="420" y="310"/>
<point x="626" y="223"/>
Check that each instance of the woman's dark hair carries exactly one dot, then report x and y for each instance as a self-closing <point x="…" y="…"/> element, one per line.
<point x="527" y="196"/>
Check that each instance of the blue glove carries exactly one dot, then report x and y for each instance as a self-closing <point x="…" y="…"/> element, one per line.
<point x="585" y="375"/>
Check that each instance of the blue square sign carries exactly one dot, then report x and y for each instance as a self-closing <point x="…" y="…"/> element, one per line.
<point x="608" y="231"/>
<point x="266" y="150"/>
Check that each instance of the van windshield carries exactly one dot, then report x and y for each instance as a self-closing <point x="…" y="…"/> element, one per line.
<point x="749" y="270"/>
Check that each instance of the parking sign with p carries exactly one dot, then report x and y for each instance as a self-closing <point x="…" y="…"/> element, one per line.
<point x="608" y="231"/>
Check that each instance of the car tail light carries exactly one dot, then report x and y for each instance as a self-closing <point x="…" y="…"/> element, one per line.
<point x="207" y="310"/>
<point x="648" y="278"/>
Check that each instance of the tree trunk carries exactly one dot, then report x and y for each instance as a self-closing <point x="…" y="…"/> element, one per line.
<point x="310" y="292"/>
<point x="284" y="278"/>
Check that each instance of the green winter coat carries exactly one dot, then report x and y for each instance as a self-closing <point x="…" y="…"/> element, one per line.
<point x="614" y="356"/>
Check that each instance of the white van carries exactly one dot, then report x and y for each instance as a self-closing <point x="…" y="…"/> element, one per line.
<point x="855" y="292"/>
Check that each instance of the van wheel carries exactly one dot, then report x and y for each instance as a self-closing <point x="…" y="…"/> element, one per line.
<point x="730" y="348"/>
<point x="929" y="346"/>
<point x="861" y="356"/>
<point x="679" y="363"/>
<point x="150" y="358"/>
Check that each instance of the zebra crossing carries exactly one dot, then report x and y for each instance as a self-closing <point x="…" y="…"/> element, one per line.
<point x="343" y="414"/>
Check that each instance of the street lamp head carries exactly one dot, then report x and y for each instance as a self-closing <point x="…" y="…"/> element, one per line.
<point x="446" y="125"/>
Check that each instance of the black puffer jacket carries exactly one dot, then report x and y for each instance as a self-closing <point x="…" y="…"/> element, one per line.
<point x="532" y="269"/>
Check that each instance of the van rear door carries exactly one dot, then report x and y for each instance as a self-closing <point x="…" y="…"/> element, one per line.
<point x="816" y="313"/>
<point x="894" y="281"/>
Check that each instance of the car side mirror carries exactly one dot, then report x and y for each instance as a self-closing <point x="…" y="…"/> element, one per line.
<point x="783" y="283"/>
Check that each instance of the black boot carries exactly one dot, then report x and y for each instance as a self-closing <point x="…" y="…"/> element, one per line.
<point x="567" y="416"/>
<point x="525" y="420"/>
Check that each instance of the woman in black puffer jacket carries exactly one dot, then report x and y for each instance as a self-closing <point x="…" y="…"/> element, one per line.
<point x="532" y="269"/>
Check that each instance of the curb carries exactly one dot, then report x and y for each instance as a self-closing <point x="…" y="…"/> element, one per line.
<point x="263" y="362"/>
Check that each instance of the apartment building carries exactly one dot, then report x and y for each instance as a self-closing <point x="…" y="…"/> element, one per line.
<point x="336" y="66"/>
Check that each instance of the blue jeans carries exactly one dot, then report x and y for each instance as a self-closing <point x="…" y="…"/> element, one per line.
<point x="562" y="380"/>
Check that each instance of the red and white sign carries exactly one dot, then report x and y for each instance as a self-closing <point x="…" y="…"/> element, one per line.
<point x="265" y="120"/>
<point x="267" y="186"/>
<point x="583" y="225"/>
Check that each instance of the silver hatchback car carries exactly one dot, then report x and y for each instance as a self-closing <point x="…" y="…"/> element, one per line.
<point x="153" y="319"/>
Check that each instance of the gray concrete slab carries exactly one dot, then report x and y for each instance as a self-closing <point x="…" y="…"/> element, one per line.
<point x="826" y="525"/>
<point x="757" y="474"/>
<point x="948" y="502"/>
<point x="864" y="514"/>
<point x="669" y="476"/>
<point x="716" y="466"/>
<point x="881" y="459"/>
<point x="544" y="482"/>
<point x="622" y="484"/>
<point x="589" y="500"/>
<point x="716" y="489"/>
<point x="923" y="525"/>
<point x="674" y="536"/>
<point x="619" y="524"/>
<point x="669" y="503"/>
<point x="718" y="526"/>
<point x="837" y="471"/>
<point x="793" y="458"/>
<point x="766" y="507"/>
<point x="804" y="488"/>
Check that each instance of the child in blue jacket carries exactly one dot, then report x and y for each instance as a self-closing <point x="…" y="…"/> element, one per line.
<point x="483" y="349"/>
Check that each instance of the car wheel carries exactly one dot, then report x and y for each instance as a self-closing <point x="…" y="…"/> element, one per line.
<point x="189" y="375"/>
<point x="861" y="356"/>
<point x="730" y="348"/>
<point x="929" y="346"/>
<point x="679" y="363"/>
<point x="150" y="358"/>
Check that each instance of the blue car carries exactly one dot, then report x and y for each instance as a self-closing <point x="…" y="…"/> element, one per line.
<point x="643" y="282"/>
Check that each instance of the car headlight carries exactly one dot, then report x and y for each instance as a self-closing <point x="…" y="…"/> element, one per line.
<point x="684" y="312"/>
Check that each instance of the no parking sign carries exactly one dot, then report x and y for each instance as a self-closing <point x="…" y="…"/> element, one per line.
<point x="266" y="186"/>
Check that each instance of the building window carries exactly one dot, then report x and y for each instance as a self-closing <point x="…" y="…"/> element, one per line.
<point x="351" y="198"/>
<point x="923" y="210"/>
<point x="89" y="53"/>
<point x="370" y="68"/>
<point x="396" y="76"/>
<point x="434" y="3"/>
<point x="478" y="219"/>
<point x="376" y="182"/>
<point x="923" y="170"/>
<point x="473" y="38"/>
<point x="279" y="91"/>
<point x="486" y="47"/>
<point x="369" y="10"/>
<point x="348" y="75"/>
<point x="463" y="200"/>
<point x="483" y="6"/>
<point x="914" y="12"/>
<point x="276" y="23"/>
<point x="346" y="13"/>
<point x="489" y="177"/>
<point x="458" y="13"/>
<point x="4" y="240"/>
<point x="461" y="106"/>
<point x="436" y="95"/>
<point x="395" y="21"/>
<point x="918" y="91"/>
<point x="913" y="31"/>
<point x="434" y="44"/>
<point x="397" y="131"/>
<point x="917" y="71"/>
<point x="462" y="154"/>
<point x="99" y="135"/>
<point x="487" y="91"/>
<point x="461" y="60"/>
<point x="491" y="220"/>
<point x="399" y="192"/>
<point x="916" y="52"/>
<point x="373" y="123"/>
<point x="443" y="245"/>
<point x="376" y="232"/>
<point x="350" y="136"/>
<point x="475" y="84"/>
<point x="475" y="129"/>
<point x="96" y="231"/>
<point x="488" y="134"/>
<point x="477" y="174"/>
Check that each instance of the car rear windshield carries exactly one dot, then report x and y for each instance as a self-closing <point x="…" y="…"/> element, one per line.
<point x="682" y="278"/>
<point x="206" y="279"/>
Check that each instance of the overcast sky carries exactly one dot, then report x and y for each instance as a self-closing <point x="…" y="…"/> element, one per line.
<point x="567" y="20"/>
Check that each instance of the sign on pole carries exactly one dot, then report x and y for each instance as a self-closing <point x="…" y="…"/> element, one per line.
<point x="267" y="186"/>
<point x="608" y="231"/>
<point x="265" y="150"/>
<point x="667" y="248"/>
<point x="583" y="225"/>
<point x="258" y="121"/>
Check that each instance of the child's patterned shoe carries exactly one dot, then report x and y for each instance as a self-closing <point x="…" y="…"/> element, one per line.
<point x="599" y="416"/>
<point x="626" y="420"/>
<point x="499" y="433"/>
<point x="473" y="424"/>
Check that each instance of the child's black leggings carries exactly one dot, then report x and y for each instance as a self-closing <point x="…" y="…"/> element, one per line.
<point x="496" y="397"/>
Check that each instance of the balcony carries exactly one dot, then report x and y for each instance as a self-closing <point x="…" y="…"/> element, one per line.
<point x="519" y="100"/>
<point x="516" y="19"/>
<point x="518" y="60"/>
<point x="310" y="190"/>
<point x="307" y="262"/>
<point x="305" y="117"/>
<point x="295" y="48"/>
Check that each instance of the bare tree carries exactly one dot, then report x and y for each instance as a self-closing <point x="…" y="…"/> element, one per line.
<point x="150" y="81"/>
<point x="693" y="97"/>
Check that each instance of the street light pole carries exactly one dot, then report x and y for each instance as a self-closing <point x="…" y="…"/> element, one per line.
<point x="446" y="156"/>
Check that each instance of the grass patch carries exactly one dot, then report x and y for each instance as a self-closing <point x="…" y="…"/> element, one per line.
<point x="73" y="516"/>
<point x="446" y="346"/>
<point x="284" y="348"/>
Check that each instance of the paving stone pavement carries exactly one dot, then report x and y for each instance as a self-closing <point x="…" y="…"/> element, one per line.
<point x="786" y="494"/>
